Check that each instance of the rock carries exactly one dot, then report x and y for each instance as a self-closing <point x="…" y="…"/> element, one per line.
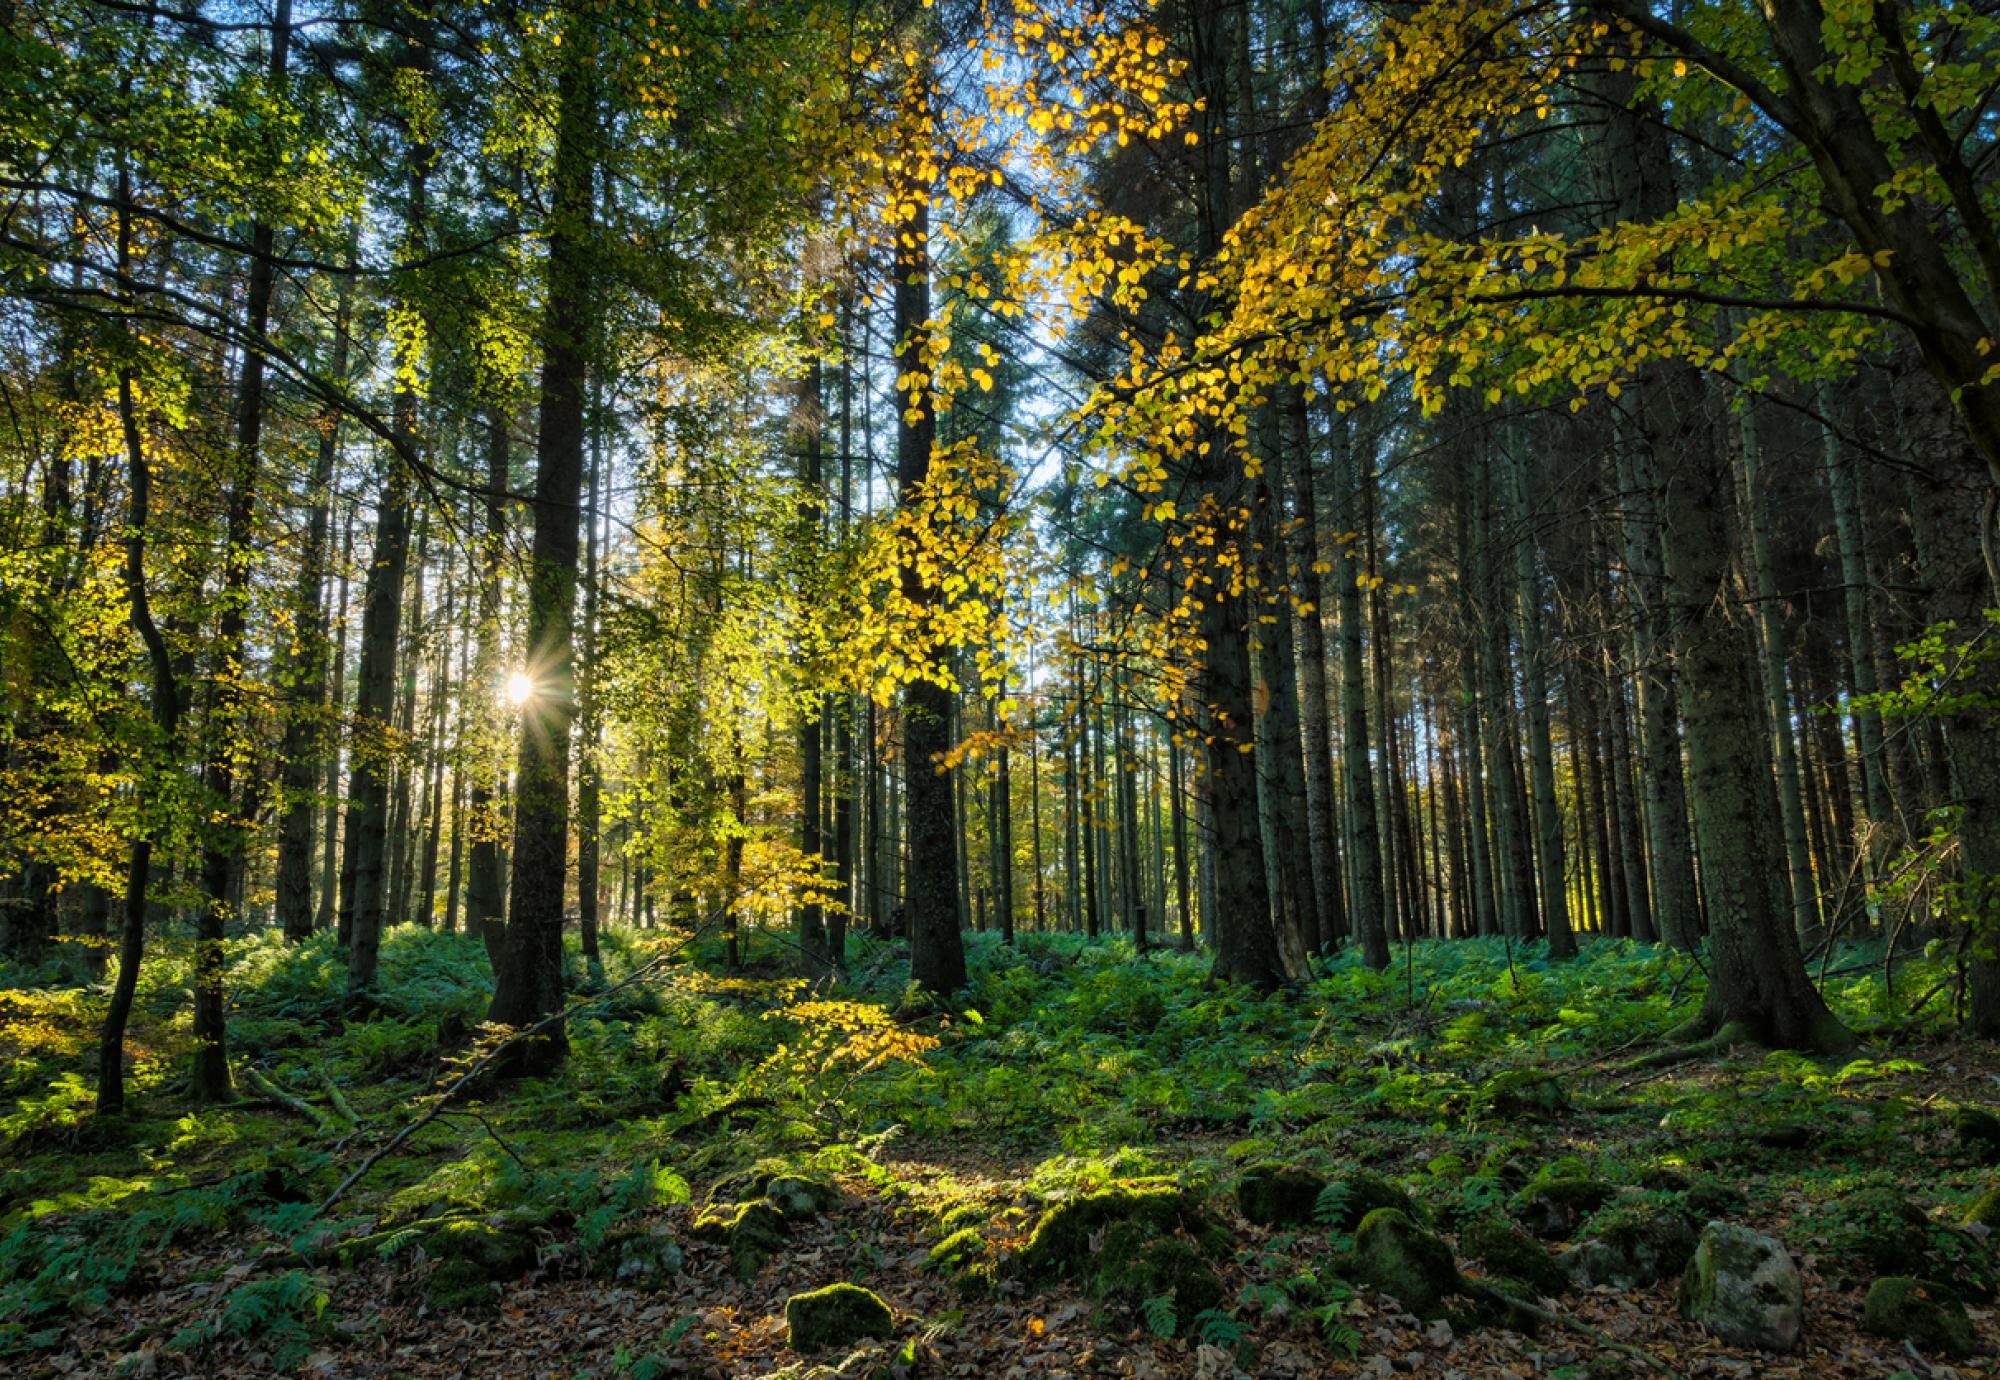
<point x="838" y="1315"/>
<point x="1552" y="1208"/>
<point x="1787" y="1135"/>
<point x="1136" y="1266"/>
<point x="1354" y="1195"/>
<point x="1271" y="1193"/>
<point x="1635" y="1246"/>
<point x="1928" y="1316"/>
<point x="642" y="1258"/>
<point x="753" y="1231"/>
<point x="1978" y="1133"/>
<point x="1742" y="1287"/>
<point x="1707" y="1198"/>
<point x="1518" y="1262"/>
<point x="474" y="1258"/>
<point x="797" y="1197"/>
<point x="1984" y="1211"/>
<point x="1524" y="1095"/>
<point x="966" y="1258"/>
<point x="1067" y="1240"/>
<point x="1400" y="1258"/>
<point x="1871" y="1231"/>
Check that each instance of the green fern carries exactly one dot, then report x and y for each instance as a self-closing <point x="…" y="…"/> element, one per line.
<point x="1218" y="1329"/>
<point x="1158" y="1312"/>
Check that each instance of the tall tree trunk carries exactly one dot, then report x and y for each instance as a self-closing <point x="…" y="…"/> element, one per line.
<point x="364" y="881"/>
<point x="306" y="736"/>
<point x="590" y="718"/>
<point x="808" y="428"/>
<point x="528" y="985"/>
<point x="1758" y="988"/>
<point x="1364" y="874"/>
<point x="1541" y="752"/>
<point x="937" y="950"/>
<point x="484" y="897"/>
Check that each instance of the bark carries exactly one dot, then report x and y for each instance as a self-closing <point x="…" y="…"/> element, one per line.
<point x="1541" y="752"/>
<point x="484" y="898"/>
<point x="1364" y="875"/>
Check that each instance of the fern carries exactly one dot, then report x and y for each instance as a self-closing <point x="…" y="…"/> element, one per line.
<point x="1158" y="1312"/>
<point x="1218" y="1329"/>
<point x="1330" y="1208"/>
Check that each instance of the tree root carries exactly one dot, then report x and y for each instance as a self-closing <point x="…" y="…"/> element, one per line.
<point x="1577" y="1325"/>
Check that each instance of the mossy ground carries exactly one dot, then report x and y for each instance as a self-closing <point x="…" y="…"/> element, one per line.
<point x="1086" y="1072"/>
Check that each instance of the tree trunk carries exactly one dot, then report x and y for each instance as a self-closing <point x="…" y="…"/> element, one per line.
<point x="528" y="985"/>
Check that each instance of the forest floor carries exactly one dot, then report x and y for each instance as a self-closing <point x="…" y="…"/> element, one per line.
<point x="586" y="1225"/>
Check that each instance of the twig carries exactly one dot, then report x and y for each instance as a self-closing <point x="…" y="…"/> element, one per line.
<point x="340" y="1103"/>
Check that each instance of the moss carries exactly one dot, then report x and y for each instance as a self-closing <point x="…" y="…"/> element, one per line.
<point x="1978" y="1133"/>
<point x="1552" y="1208"/>
<point x="1510" y="1254"/>
<point x="1706" y="1198"/>
<point x="838" y="1315"/>
<point x="1062" y="1240"/>
<point x="1411" y="1265"/>
<point x="967" y="1259"/>
<point x="1928" y="1316"/>
<point x="638" y="1256"/>
<point x="1270" y="1193"/>
<point x="1137" y="1266"/>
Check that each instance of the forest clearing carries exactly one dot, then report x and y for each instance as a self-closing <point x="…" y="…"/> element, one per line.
<point x="999" y="688"/>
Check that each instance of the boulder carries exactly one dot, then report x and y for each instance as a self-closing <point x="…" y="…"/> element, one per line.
<point x="1632" y="1247"/>
<point x="1524" y="1095"/>
<point x="473" y="1260"/>
<point x="1518" y="1263"/>
<point x="1978" y="1132"/>
<point x="1271" y="1193"/>
<point x="1136" y="1266"/>
<point x="1743" y="1288"/>
<point x="1552" y="1208"/>
<point x="753" y="1231"/>
<point x="642" y="1257"/>
<point x="1930" y="1317"/>
<point x="1411" y="1265"/>
<point x="1984" y="1211"/>
<point x="838" y="1315"/>
<point x="1070" y="1236"/>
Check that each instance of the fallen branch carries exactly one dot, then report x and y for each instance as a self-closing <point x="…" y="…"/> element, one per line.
<point x="285" y="1101"/>
<point x="480" y="1064"/>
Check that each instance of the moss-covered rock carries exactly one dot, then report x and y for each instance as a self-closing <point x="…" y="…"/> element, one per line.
<point x="967" y="1259"/>
<point x="754" y="1232"/>
<point x="1707" y="1198"/>
<point x="473" y="1259"/>
<point x="1411" y="1265"/>
<point x="1062" y="1242"/>
<point x="1984" y="1211"/>
<point x="1930" y="1317"/>
<point x="1867" y="1232"/>
<point x="1978" y="1132"/>
<point x="643" y="1257"/>
<point x="1271" y="1193"/>
<point x="838" y="1315"/>
<point x="1511" y="1255"/>
<point x="1552" y="1208"/>
<point x="1137" y="1266"/>
<point x="1631" y="1247"/>
<point x="1744" y="1288"/>
<point x="1523" y="1095"/>
<point x="798" y="1196"/>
